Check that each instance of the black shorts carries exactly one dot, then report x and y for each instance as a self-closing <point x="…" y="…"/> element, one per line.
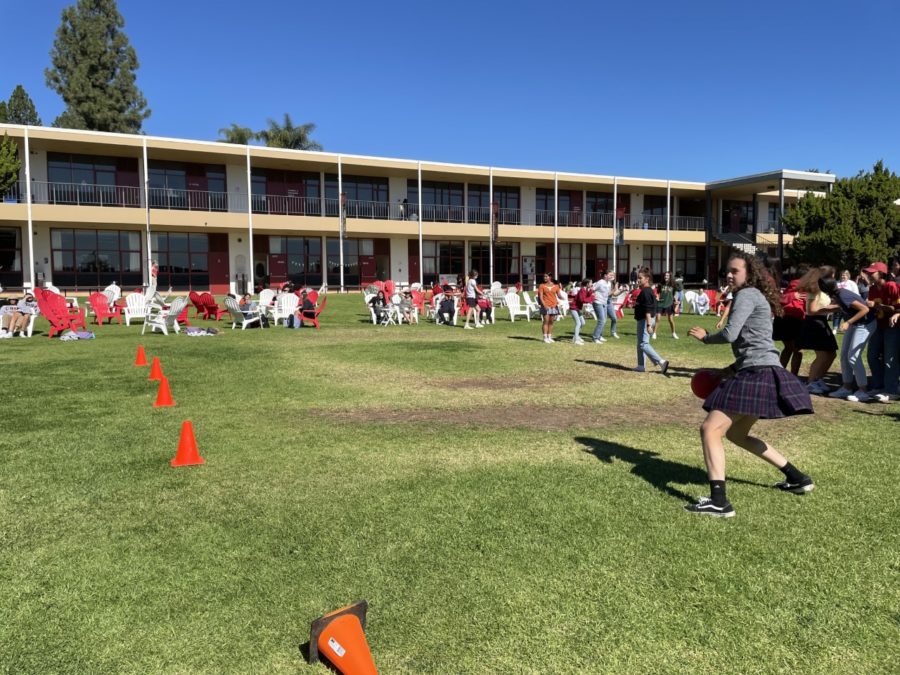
<point x="472" y="302"/>
<point x="666" y="311"/>
<point x="786" y="328"/>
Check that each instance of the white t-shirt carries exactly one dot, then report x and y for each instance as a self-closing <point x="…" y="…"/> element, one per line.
<point x="850" y="285"/>
<point x="601" y="292"/>
<point x="471" y="287"/>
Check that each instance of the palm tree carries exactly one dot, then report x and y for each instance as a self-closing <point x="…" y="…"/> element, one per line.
<point x="236" y="134"/>
<point x="288" y="136"/>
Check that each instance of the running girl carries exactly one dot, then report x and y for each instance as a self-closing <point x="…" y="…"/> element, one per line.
<point x="755" y="386"/>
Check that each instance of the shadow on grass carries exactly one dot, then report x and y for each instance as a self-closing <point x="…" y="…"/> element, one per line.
<point x="895" y="414"/>
<point x="525" y="337"/>
<point x="652" y="468"/>
<point x="673" y="371"/>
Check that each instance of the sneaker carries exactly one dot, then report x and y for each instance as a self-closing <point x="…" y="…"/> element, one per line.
<point x="705" y="506"/>
<point x="639" y="369"/>
<point x="653" y="337"/>
<point x="5" y="335"/>
<point x="479" y="325"/>
<point x="550" y="339"/>
<point x="818" y="387"/>
<point x="843" y="392"/>
<point x="599" y="342"/>
<point x="887" y="398"/>
<point x="468" y="328"/>
<point x="615" y="335"/>
<point x="675" y="336"/>
<point x="578" y="342"/>
<point x="861" y="397"/>
<point x="804" y="486"/>
<point x="663" y="367"/>
<point x="873" y="392"/>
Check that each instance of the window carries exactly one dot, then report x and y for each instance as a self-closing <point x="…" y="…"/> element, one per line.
<point x="93" y="181"/>
<point x="569" y="263"/>
<point x="10" y="256"/>
<point x="689" y="260"/>
<point x="300" y="257"/>
<point x="286" y="192"/>
<point x="367" y="196"/>
<point x="737" y="216"/>
<point x="655" y="259"/>
<point x="544" y="206"/>
<point x="599" y="204"/>
<point x="353" y="249"/>
<point x="506" y="261"/>
<point x="772" y="224"/>
<point x="443" y="260"/>
<point x="183" y="259"/>
<point x="507" y="199"/>
<point x="440" y="201"/>
<point x="90" y="259"/>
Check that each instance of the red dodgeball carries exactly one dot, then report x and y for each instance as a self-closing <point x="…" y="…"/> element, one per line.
<point x="705" y="381"/>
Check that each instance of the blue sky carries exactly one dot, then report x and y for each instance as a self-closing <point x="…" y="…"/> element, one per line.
<point x="694" y="90"/>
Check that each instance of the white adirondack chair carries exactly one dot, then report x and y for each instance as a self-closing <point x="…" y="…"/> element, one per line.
<point x="514" y="305"/>
<point x="112" y="292"/>
<point x="530" y="304"/>
<point x="437" y="308"/>
<point x="690" y="301"/>
<point x="498" y="297"/>
<point x="237" y="316"/>
<point x="165" y="319"/>
<point x="135" y="307"/>
<point x="285" y="306"/>
<point x="266" y="301"/>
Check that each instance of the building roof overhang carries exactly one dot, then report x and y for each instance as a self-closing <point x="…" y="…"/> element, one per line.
<point x="760" y="183"/>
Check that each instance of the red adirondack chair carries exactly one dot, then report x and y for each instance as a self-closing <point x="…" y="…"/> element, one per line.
<point x="102" y="311"/>
<point x="313" y="297"/>
<point x="53" y="308"/>
<point x="418" y="299"/>
<point x="194" y="297"/>
<point x="314" y="314"/>
<point x="210" y="306"/>
<point x="389" y="287"/>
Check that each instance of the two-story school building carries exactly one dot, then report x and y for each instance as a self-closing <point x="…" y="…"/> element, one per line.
<point x="91" y="208"/>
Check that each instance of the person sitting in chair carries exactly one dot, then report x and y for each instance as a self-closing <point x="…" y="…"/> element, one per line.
<point x="306" y="305"/>
<point x="16" y="317"/>
<point x="379" y="307"/>
<point x="446" y="308"/>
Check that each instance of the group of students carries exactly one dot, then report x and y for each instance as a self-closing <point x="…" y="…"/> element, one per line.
<point x="865" y="310"/>
<point x="551" y="297"/>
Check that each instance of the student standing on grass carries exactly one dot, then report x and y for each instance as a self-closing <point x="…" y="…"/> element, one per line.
<point x="666" y="307"/>
<point x="473" y="292"/>
<point x="548" y="297"/>
<point x="584" y="296"/>
<point x="884" y="344"/>
<point x="857" y="324"/>
<point x="645" y="315"/>
<point x="816" y="333"/>
<point x="755" y="386"/>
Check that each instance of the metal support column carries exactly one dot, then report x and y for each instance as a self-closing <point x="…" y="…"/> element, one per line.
<point x="491" y="227"/>
<point x="668" y="221"/>
<point x="556" y="225"/>
<point x="781" y="223"/>
<point x="708" y="255"/>
<point x="28" y="202"/>
<point x="342" y="220"/>
<point x="252" y="265"/>
<point x="421" y="251"/>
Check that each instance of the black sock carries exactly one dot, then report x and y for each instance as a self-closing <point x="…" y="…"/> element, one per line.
<point x="717" y="492"/>
<point x="792" y="473"/>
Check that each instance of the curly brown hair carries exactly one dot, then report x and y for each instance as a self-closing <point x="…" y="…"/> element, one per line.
<point x="759" y="278"/>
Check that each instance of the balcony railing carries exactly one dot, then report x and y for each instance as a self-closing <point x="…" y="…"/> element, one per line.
<point x="75" y="194"/>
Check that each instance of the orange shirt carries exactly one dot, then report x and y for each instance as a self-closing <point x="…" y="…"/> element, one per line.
<point x="547" y="295"/>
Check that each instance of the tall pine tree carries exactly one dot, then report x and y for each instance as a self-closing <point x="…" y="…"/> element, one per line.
<point x="20" y="108"/>
<point x="93" y="70"/>
<point x="10" y="164"/>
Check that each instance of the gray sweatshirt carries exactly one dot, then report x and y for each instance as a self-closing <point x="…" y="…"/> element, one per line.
<point x="749" y="330"/>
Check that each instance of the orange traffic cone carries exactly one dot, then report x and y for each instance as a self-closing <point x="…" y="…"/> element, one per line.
<point x="155" y="370"/>
<point x="163" y="396"/>
<point x="141" y="359"/>
<point x="187" y="454"/>
<point x="340" y="637"/>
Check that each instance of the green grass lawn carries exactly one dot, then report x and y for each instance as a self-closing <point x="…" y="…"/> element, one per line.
<point x="504" y="506"/>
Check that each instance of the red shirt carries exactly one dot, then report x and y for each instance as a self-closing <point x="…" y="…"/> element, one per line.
<point x="888" y="294"/>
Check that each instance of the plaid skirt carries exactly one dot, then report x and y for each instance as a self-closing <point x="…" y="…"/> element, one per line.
<point x="767" y="393"/>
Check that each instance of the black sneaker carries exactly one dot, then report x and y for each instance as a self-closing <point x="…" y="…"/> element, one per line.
<point x="663" y="367"/>
<point x="705" y="506"/>
<point x="799" y="488"/>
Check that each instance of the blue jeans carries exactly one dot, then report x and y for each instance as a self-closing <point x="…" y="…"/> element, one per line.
<point x="600" y="311"/>
<point x="883" y="359"/>
<point x="852" y="365"/>
<point x="643" y="345"/>
<point x="579" y="322"/>
<point x="611" y="313"/>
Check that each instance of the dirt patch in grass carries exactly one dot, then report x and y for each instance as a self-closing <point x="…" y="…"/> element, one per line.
<point x="684" y="410"/>
<point x="680" y="411"/>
